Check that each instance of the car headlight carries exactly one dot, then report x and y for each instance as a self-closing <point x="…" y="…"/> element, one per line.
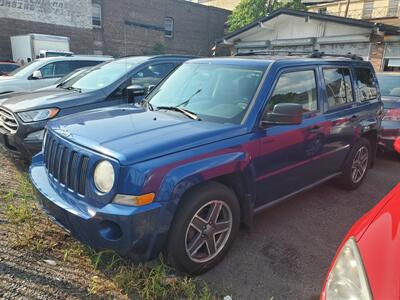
<point x="347" y="279"/>
<point x="38" y="115"/>
<point x="104" y="176"/>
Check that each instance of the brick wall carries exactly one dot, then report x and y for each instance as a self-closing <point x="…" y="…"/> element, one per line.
<point x="377" y="52"/>
<point x="136" y="27"/>
<point x="81" y="39"/>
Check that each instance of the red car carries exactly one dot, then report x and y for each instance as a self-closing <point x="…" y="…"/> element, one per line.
<point x="367" y="264"/>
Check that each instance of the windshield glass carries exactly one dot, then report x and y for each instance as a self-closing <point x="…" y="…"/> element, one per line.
<point x="103" y="75"/>
<point x="73" y="74"/>
<point x="389" y="85"/>
<point x="215" y="92"/>
<point x="27" y="69"/>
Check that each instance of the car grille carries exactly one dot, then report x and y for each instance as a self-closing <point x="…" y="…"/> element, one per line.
<point x="65" y="165"/>
<point x="8" y="123"/>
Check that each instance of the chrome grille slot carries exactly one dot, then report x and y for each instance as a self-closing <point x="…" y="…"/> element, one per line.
<point x="8" y="122"/>
<point x="67" y="166"/>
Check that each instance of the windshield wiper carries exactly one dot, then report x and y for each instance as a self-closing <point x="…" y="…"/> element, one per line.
<point x="187" y="113"/>
<point x="71" y="88"/>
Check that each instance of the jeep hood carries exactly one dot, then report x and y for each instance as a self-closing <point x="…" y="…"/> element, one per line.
<point x="57" y="97"/>
<point x="132" y="134"/>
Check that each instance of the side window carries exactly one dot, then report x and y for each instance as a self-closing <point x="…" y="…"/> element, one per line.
<point x="77" y="64"/>
<point x="338" y="86"/>
<point x="152" y="75"/>
<point x="365" y="84"/>
<point x="62" y="68"/>
<point x="47" y="70"/>
<point x="296" y="87"/>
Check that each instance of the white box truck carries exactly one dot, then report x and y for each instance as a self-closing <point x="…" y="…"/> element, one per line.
<point x="35" y="45"/>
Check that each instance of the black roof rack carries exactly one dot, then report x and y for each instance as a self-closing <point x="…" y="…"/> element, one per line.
<point x="310" y="54"/>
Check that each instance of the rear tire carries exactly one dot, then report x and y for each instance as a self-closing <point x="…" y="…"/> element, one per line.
<point x="356" y="166"/>
<point x="203" y="229"/>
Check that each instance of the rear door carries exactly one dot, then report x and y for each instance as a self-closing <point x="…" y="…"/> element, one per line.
<point x="341" y="113"/>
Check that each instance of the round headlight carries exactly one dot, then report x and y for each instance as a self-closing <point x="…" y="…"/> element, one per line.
<point x="104" y="176"/>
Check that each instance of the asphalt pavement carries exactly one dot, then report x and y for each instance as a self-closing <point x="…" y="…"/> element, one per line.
<point x="290" y="248"/>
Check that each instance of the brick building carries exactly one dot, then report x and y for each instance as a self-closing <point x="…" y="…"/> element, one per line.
<point x="293" y="30"/>
<point x="116" y="27"/>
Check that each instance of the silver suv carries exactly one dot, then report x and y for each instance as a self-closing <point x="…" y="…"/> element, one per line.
<point x="45" y="72"/>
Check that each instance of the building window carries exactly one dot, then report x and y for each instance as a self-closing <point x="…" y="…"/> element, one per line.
<point x="393" y="8"/>
<point x="368" y="9"/>
<point x="96" y="15"/>
<point x="169" y="27"/>
<point x="322" y="10"/>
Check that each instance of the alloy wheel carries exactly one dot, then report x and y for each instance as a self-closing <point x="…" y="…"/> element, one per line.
<point x="360" y="164"/>
<point x="208" y="231"/>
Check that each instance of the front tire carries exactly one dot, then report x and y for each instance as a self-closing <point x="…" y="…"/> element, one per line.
<point x="356" y="166"/>
<point x="203" y="229"/>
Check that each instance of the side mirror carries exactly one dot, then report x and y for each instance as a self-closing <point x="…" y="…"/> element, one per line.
<point x="135" y="91"/>
<point x="37" y="75"/>
<point x="150" y="88"/>
<point x="284" y="114"/>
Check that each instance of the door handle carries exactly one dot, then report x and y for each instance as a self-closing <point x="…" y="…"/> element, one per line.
<point x="314" y="128"/>
<point x="353" y="118"/>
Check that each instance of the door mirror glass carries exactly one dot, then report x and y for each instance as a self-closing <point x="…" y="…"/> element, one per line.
<point x="284" y="114"/>
<point x="135" y="91"/>
<point x="37" y="75"/>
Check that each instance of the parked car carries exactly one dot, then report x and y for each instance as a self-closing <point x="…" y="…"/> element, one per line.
<point x="219" y="140"/>
<point x="25" y="115"/>
<point x="7" y="67"/>
<point x="389" y="83"/>
<point x="66" y="78"/>
<point x="44" y="72"/>
<point x="366" y="264"/>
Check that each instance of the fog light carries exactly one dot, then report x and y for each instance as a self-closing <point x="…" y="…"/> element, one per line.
<point x="110" y="230"/>
<point x="36" y="136"/>
<point x="396" y="145"/>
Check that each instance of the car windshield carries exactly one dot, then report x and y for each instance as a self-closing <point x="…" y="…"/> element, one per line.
<point x="214" y="92"/>
<point x="389" y="85"/>
<point x="103" y="75"/>
<point x="27" y="69"/>
<point x="72" y="75"/>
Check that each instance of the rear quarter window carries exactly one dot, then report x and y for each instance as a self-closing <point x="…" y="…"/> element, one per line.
<point x="366" y="84"/>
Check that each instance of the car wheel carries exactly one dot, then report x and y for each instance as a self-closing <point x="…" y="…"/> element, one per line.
<point x="203" y="229"/>
<point x="356" y="167"/>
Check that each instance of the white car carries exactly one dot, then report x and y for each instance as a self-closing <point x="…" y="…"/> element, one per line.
<point x="45" y="72"/>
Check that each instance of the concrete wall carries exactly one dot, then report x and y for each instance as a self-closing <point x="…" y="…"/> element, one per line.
<point x="57" y="12"/>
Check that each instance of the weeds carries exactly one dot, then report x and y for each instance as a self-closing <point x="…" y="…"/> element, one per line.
<point x="33" y="231"/>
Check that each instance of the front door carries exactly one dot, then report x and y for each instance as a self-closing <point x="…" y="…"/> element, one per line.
<point x="286" y="151"/>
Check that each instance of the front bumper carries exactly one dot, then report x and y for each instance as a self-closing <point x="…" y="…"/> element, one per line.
<point x="130" y="231"/>
<point x="390" y="133"/>
<point x="16" y="143"/>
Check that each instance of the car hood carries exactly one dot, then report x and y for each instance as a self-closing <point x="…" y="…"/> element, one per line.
<point x="380" y="248"/>
<point x="131" y="134"/>
<point x="57" y="97"/>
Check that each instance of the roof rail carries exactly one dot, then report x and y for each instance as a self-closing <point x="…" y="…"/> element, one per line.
<point x="310" y="54"/>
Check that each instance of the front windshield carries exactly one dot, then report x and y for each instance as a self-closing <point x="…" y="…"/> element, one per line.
<point x="389" y="85"/>
<point x="215" y="92"/>
<point x="27" y="69"/>
<point x="73" y="74"/>
<point x="103" y="75"/>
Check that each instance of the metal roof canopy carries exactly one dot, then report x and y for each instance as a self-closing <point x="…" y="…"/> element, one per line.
<point x="394" y="30"/>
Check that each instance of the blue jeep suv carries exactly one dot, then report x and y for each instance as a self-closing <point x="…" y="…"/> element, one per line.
<point x="218" y="141"/>
<point x="23" y="116"/>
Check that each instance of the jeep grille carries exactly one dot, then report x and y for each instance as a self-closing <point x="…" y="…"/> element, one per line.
<point x="8" y="123"/>
<point x="65" y="165"/>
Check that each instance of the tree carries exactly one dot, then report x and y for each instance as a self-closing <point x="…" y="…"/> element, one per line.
<point x="248" y="11"/>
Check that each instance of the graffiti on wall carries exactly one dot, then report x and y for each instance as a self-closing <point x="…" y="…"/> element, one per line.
<point x="60" y="12"/>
